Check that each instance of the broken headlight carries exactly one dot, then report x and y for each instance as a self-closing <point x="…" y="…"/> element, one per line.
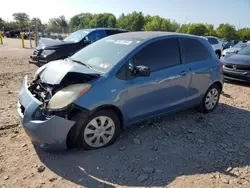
<point x="46" y="53"/>
<point x="67" y="95"/>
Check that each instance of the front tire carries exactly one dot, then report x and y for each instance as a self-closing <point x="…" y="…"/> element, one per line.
<point x="211" y="99"/>
<point x="101" y="130"/>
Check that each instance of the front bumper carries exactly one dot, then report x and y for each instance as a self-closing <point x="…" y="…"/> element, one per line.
<point x="37" y="61"/>
<point x="49" y="133"/>
<point x="237" y="75"/>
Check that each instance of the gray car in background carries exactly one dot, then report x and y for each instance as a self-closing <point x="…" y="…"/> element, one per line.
<point x="240" y="45"/>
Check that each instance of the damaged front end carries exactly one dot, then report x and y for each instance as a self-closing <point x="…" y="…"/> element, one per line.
<point x="46" y="109"/>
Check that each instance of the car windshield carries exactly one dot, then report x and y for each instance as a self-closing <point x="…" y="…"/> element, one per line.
<point x="240" y="45"/>
<point x="245" y="51"/>
<point x="105" y="53"/>
<point x="76" y="36"/>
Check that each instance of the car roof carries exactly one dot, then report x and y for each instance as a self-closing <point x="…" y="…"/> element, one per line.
<point x="94" y="29"/>
<point x="146" y="35"/>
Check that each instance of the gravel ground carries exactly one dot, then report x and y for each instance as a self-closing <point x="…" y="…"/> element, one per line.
<point x="187" y="149"/>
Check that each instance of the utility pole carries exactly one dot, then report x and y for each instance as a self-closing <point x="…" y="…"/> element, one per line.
<point x="30" y="37"/>
<point x="36" y="29"/>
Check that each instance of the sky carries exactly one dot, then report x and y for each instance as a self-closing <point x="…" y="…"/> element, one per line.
<point x="235" y="12"/>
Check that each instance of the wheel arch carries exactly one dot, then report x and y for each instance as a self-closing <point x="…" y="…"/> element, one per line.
<point x="75" y="130"/>
<point x="218" y="51"/>
<point x="113" y="108"/>
<point x="217" y="83"/>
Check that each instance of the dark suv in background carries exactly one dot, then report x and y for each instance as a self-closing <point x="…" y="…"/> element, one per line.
<point x="51" y="49"/>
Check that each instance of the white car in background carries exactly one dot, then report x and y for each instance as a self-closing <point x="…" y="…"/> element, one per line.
<point x="217" y="45"/>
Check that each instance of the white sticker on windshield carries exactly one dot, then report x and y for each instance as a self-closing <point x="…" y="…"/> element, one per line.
<point x="125" y="42"/>
<point x="110" y="40"/>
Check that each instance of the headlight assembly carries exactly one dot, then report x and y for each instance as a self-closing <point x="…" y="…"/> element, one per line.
<point x="46" y="53"/>
<point x="67" y="95"/>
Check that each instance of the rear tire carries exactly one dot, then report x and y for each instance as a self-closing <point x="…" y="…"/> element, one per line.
<point x="101" y="130"/>
<point x="211" y="99"/>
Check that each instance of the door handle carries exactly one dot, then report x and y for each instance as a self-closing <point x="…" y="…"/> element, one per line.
<point x="183" y="73"/>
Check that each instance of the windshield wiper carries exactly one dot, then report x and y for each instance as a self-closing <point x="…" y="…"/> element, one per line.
<point x="77" y="61"/>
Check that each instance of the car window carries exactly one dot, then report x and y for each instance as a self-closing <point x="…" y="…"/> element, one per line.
<point x="113" y="32"/>
<point x="96" y="35"/>
<point x="76" y="36"/>
<point x="158" y="55"/>
<point x="240" y="45"/>
<point x="193" y="50"/>
<point x="212" y="41"/>
<point x="245" y="51"/>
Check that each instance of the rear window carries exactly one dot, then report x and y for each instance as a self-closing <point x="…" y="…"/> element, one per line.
<point x="193" y="50"/>
<point x="212" y="40"/>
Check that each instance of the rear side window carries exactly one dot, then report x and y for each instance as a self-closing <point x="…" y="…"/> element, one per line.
<point x="212" y="41"/>
<point x="193" y="50"/>
<point x="96" y="35"/>
<point x="112" y="32"/>
<point x="158" y="55"/>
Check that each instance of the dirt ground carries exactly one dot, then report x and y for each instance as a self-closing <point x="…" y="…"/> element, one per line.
<point x="186" y="150"/>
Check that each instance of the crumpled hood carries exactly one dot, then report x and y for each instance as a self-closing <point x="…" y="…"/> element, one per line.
<point x="54" y="72"/>
<point x="47" y="42"/>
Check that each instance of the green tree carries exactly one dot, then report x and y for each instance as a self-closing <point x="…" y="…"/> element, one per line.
<point x="156" y="23"/>
<point x="34" y="21"/>
<point x="244" y="34"/>
<point x="226" y="31"/>
<point x="174" y="26"/>
<point x="85" y="19"/>
<point x="22" y="19"/>
<point x="183" y="28"/>
<point x="52" y="26"/>
<point x="132" y="22"/>
<point x="2" y="23"/>
<point x="210" y="30"/>
<point x="103" y="20"/>
<point x="11" y="26"/>
<point x="74" y="23"/>
<point x="197" y="29"/>
<point x="62" y="23"/>
<point x="57" y="25"/>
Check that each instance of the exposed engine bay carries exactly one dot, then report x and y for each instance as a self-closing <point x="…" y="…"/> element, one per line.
<point x="44" y="92"/>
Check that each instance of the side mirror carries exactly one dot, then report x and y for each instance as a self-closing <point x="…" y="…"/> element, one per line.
<point x="142" y="71"/>
<point x="87" y="42"/>
<point x="236" y="51"/>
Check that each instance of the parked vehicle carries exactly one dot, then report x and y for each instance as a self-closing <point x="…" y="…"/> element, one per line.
<point x="240" y="45"/>
<point x="230" y="44"/>
<point x="50" y="49"/>
<point x="216" y="43"/>
<point x="88" y="98"/>
<point x="237" y="65"/>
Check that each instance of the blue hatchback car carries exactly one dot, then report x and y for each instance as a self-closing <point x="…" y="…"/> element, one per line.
<point x="87" y="99"/>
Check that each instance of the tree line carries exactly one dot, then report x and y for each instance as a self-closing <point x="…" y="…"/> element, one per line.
<point x="135" y="21"/>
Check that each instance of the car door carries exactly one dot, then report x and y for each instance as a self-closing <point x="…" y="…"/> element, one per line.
<point x="165" y="89"/>
<point x="197" y="58"/>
